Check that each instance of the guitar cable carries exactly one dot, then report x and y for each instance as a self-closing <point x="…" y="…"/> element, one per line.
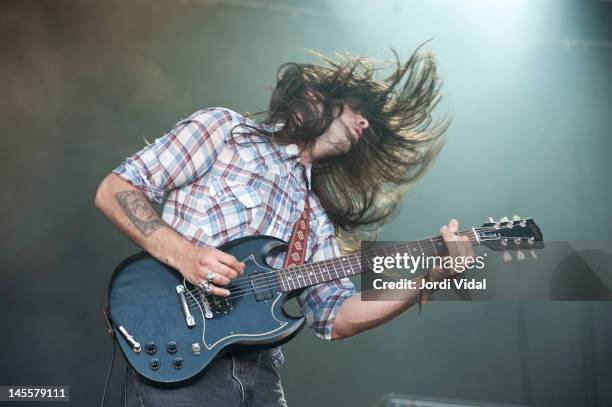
<point x="110" y="371"/>
<point x="111" y="332"/>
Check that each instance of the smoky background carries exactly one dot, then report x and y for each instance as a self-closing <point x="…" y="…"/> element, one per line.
<point x="84" y="84"/>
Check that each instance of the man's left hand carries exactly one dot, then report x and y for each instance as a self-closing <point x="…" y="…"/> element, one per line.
<point x="458" y="246"/>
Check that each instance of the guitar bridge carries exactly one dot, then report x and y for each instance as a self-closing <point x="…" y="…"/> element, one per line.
<point x="189" y="319"/>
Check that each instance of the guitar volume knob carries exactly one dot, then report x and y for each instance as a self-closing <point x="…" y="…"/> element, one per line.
<point x="154" y="364"/>
<point x="171" y="347"/>
<point x="150" y="348"/>
<point x="178" y="363"/>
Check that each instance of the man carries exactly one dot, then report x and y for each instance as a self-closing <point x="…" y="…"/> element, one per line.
<point x="333" y="135"/>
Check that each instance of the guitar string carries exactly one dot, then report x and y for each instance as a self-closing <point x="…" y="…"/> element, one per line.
<point x="238" y="294"/>
<point x="267" y="287"/>
<point x="238" y="290"/>
<point x="246" y="281"/>
<point x="416" y="244"/>
<point x="329" y="263"/>
<point x="191" y="302"/>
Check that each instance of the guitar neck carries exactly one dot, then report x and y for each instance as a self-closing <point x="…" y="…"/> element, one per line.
<point x="309" y="274"/>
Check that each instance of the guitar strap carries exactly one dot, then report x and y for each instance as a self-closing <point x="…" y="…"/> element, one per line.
<point x="299" y="239"/>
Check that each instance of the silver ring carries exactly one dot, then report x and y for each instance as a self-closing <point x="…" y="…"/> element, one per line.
<point x="205" y="287"/>
<point x="211" y="276"/>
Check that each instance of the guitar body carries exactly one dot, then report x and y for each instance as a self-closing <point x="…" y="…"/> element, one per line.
<point x="169" y="331"/>
<point x="143" y="299"/>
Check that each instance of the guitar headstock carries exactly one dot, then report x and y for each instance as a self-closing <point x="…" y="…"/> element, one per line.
<point x="516" y="234"/>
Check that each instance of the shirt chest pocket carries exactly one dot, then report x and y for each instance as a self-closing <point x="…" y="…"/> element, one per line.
<point x="230" y="210"/>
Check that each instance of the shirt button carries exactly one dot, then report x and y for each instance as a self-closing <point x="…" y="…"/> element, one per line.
<point x="292" y="149"/>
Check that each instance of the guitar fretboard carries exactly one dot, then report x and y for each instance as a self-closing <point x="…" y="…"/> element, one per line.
<point x="310" y="274"/>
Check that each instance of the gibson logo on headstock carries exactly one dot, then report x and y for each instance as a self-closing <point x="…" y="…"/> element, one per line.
<point x="489" y="235"/>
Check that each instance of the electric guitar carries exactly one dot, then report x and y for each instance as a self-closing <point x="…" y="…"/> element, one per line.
<point x="170" y="330"/>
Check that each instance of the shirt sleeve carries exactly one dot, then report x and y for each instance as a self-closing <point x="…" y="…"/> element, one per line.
<point x="182" y="155"/>
<point x="320" y="303"/>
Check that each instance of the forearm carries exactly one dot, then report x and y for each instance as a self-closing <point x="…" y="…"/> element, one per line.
<point x="133" y="215"/>
<point x="356" y="315"/>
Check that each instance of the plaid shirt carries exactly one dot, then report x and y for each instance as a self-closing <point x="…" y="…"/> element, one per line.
<point x="220" y="188"/>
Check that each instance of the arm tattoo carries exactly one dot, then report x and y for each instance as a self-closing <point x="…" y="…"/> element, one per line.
<point x="139" y="211"/>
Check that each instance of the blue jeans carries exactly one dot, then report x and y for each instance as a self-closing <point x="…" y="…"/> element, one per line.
<point x="238" y="378"/>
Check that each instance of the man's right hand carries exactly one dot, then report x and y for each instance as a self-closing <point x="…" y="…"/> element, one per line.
<point x="195" y="263"/>
<point x="128" y="208"/>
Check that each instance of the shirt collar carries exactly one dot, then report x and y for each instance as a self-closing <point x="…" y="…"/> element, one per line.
<point x="292" y="151"/>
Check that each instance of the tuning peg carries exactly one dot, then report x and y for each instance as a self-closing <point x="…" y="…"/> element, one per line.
<point x="516" y="217"/>
<point x="507" y="257"/>
<point x="504" y="219"/>
<point x="533" y="255"/>
<point x="520" y="256"/>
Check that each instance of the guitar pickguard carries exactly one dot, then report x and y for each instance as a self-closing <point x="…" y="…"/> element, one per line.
<point x="169" y="333"/>
<point x="248" y="323"/>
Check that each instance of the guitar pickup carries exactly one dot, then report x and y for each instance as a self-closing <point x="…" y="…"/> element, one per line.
<point x="261" y="286"/>
<point x="189" y="319"/>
